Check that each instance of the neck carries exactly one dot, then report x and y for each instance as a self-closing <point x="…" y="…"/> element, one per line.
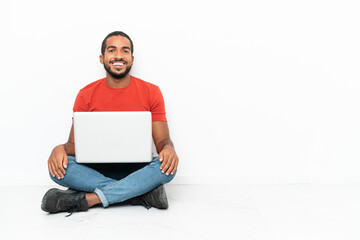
<point x="118" y="82"/>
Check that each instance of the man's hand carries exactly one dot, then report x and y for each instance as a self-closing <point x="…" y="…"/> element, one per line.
<point x="58" y="161"/>
<point x="164" y="146"/>
<point x="169" y="160"/>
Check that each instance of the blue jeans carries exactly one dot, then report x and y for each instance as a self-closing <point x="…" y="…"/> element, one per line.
<point x="114" y="183"/>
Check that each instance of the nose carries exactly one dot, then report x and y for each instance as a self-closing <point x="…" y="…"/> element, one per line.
<point x="118" y="55"/>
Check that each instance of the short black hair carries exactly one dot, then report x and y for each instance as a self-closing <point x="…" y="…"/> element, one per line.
<point x="116" y="33"/>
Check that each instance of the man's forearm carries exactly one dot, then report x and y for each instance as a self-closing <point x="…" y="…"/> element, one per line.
<point x="69" y="148"/>
<point x="163" y="143"/>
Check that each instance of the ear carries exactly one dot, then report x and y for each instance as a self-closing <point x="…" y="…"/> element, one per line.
<point x="132" y="58"/>
<point x="101" y="59"/>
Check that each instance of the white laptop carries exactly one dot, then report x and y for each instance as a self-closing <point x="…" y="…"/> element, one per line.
<point x="113" y="137"/>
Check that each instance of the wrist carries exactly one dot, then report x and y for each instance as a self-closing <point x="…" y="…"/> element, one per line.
<point x="69" y="148"/>
<point x="60" y="146"/>
<point x="168" y="146"/>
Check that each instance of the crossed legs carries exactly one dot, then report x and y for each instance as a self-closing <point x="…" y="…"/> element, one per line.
<point x="121" y="186"/>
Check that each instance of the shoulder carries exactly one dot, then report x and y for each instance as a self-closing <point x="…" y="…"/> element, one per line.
<point x="143" y="84"/>
<point x="148" y="89"/>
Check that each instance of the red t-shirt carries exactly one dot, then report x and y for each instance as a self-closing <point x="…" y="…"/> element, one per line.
<point x="137" y="96"/>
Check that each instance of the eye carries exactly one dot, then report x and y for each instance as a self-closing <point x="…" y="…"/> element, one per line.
<point x="111" y="50"/>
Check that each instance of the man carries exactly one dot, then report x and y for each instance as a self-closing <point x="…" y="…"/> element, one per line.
<point x="106" y="184"/>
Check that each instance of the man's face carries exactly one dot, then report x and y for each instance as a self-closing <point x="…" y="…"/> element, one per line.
<point x="117" y="58"/>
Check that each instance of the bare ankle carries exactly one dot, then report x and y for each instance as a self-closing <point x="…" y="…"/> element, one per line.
<point x="92" y="199"/>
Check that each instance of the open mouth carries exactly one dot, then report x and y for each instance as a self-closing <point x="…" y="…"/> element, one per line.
<point x="118" y="64"/>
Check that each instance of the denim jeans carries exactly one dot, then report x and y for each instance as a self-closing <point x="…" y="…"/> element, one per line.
<point x="113" y="183"/>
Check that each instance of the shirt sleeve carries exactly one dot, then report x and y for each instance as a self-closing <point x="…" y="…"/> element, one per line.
<point x="80" y="105"/>
<point x="158" y="106"/>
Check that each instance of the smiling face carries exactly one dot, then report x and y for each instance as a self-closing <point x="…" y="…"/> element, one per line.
<point x="117" y="58"/>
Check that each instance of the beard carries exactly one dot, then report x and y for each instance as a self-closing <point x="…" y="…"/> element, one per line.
<point x="117" y="75"/>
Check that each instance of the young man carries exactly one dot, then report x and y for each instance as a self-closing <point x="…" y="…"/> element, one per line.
<point x="106" y="184"/>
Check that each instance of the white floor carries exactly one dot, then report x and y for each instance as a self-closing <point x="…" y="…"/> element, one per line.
<point x="282" y="212"/>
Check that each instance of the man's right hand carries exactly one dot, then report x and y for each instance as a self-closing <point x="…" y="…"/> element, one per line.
<point x="58" y="161"/>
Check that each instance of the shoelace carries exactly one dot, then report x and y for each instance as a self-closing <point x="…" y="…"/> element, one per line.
<point x="73" y="209"/>
<point x="72" y="206"/>
<point x="145" y="203"/>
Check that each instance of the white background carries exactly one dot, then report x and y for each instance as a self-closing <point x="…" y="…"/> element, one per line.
<point x="255" y="91"/>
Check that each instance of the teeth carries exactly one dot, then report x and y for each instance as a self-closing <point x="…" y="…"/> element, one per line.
<point x="118" y="64"/>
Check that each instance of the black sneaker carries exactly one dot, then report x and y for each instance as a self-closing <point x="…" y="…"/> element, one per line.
<point x="155" y="198"/>
<point x="56" y="200"/>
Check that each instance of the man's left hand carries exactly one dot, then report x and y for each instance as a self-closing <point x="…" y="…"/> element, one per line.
<point x="169" y="160"/>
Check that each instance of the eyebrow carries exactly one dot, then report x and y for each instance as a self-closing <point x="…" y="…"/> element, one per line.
<point x="115" y="47"/>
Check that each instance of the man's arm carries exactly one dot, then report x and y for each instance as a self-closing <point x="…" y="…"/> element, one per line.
<point x="164" y="147"/>
<point x="58" y="160"/>
<point x="70" y="145"/>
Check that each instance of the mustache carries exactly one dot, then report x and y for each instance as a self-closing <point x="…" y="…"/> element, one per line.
<point x="118" y="60"/>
